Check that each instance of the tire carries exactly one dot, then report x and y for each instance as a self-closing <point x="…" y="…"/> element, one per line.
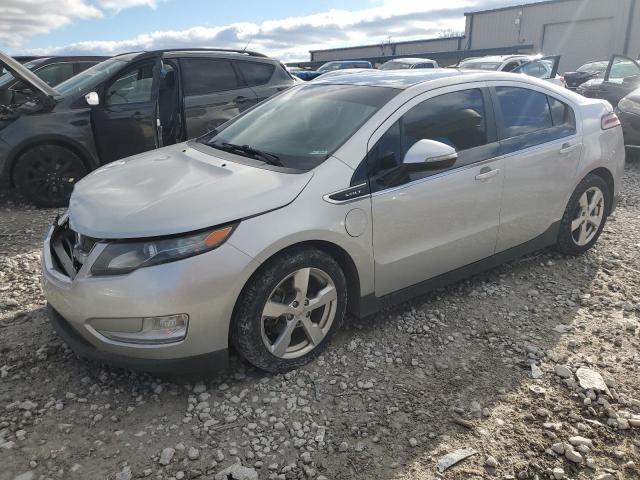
<point x="257" y="326"/>
<point x="46" y="174"/>
<point x="575" y="220"/>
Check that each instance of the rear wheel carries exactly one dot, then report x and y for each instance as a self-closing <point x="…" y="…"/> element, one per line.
<point x="46" y="174"/>
<point x="289" y="310"/>
<point x="584" y="217"/>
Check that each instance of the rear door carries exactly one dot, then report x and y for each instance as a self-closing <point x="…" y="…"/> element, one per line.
<point x="541" y="146"/>
<point x="125" y="122"/>
<point x="621" y="78"/>
<point x="213" y="93"/>
<point x="265" y="79"/>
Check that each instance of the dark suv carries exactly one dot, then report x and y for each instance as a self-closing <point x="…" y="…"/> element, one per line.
<point x="52" y="70"/>
<point x="125" y="105"/>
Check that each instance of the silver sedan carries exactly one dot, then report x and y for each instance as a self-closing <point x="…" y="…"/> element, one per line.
<point x="342" y="195"/>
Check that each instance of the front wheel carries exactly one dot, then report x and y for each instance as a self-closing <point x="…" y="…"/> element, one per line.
<point x="289" y="310"/>
<point x="46" y="174"/>
<point x="584" y="217"/>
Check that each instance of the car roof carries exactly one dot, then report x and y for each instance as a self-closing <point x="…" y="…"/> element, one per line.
<point x="410" y="60"/>
<point x="494" y="58"/>
<point x="400" y="79"/>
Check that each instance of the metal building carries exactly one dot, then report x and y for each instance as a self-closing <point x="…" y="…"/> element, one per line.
<point x="579" y="30"/>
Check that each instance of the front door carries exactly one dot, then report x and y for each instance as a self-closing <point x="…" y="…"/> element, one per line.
<point x="430" y="222"/>
<point x="621" y="78"/>
<point x="541" y="149"/>
<point x="213" y="94"/>
<point x="125" y="122"/>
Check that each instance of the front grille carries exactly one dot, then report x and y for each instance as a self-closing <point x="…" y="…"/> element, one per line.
<point x="69" y="249"/>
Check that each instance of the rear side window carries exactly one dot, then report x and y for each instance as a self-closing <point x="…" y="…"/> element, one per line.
<point x="255" y="73"/>
<point x="523" y="110"/>
<point x="55" y="73"/>
<point x="561" y="113"/>
<point x="205" y="75"/>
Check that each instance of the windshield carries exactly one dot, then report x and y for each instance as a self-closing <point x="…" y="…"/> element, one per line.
<point x="90" y="77"/>
<point x="395" y="66"/>
<point x="479" y="66"/>
<point x="304" y="125"/>
<point x="7" y="78"/>
<point x="599" y="67"/>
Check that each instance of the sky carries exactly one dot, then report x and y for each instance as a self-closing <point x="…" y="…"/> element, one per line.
<point x="285" y="29"/>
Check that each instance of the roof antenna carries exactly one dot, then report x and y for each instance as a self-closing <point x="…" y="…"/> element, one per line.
<point x="247" y="44"/>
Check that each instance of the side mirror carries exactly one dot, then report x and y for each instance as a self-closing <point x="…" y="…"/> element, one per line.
<point x="429" y="155"/>
<point x="92" y="99"/>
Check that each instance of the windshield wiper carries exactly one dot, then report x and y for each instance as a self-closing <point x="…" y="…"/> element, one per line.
<point x="250" y="151"/>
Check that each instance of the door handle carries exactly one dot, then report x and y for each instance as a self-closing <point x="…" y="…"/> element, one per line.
<point x="241" y="99"/>
<point x="486" y="173"/>
<point x="138" y="116"/>
<point x="568" y="148"/>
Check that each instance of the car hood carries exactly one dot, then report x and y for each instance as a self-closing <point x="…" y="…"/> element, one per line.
<point x="177" y="189"/>
<point x="23" y="73"/>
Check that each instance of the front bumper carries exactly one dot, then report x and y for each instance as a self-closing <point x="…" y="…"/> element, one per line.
<point x="205" y="287"/>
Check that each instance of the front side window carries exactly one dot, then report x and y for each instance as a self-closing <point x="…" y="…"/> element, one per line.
<point x="254" y="73"/>
<point x="91" y="77"/>
<point x="133" y="86"/>
<point x="456" y="119"/>
<point x="622" y="68"/>
<point x="304" y="125"/>
<point x="204" y="75"/>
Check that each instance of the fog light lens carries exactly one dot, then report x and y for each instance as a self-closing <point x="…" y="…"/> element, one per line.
<point x="155" y="330"/>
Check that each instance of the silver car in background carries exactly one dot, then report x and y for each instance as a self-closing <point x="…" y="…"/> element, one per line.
<point x="343" y="195"/>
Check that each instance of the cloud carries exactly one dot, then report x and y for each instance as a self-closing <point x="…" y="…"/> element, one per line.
<point x="122" y="4"/>
<point x="291" y="38"/>
<point x="23" y="18"/>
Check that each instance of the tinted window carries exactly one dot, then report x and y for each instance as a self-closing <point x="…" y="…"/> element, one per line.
<point x="424" y="65"/>
<point x="523" y="110"/>
<point x="204" y="75"/>
<point x="510" y="66"/>
<point x="456" y="119"/>
<point x="255" y="73"/>
<point x="305" y="124"/>
<point x="134" y="86"/>
<point x="55" y="73"/>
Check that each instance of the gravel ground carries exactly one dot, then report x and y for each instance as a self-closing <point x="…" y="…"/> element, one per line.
<point x="532" y="368"/>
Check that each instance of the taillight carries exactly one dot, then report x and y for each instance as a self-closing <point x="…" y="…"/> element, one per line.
<point x="610" y="120"/>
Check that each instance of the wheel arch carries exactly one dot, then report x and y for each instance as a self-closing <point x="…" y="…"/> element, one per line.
<point x="336" y="252"/>
<point x="607" y="176"/>
<point x="85" y="156"/>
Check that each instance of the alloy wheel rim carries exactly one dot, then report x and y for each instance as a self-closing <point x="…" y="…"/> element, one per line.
<point x="52" y="176"/>
<point x="299" y="313"/>
<point x="588" y="216"/>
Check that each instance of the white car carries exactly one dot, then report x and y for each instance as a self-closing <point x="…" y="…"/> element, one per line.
<point x="545" y="68"/>
<point x="408" y="64"/>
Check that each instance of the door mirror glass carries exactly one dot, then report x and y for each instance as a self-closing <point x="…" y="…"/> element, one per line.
<point x="92" y="99"/>
<point x="429" y="155"/>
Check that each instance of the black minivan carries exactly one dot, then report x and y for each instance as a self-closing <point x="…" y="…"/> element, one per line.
<point x="125" y="105"/>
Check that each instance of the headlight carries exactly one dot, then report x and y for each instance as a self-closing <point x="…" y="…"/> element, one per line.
<point x="629" y="106"/>
<point x="126" y="256"/>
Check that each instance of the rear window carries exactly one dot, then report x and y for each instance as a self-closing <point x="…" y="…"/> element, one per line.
<point x="255" y="73"/>
<point x="205" y="75"/>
